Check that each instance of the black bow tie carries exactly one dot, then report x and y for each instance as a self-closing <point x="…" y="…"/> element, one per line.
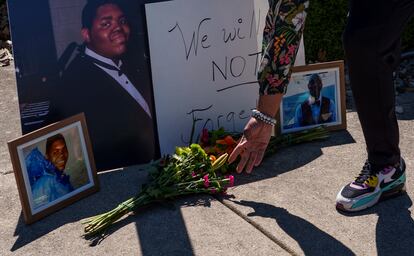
<point x="317" y="102"/>
<point x="106" y="65"/>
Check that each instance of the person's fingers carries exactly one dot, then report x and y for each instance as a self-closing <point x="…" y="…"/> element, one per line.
<point x="251" y="162"/>
<point x="236" y="151"/>
<point x="243" y="160"/>
<point x="259" y="157"/>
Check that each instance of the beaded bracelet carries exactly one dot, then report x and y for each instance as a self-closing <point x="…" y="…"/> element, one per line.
<point x="263" y="117"/>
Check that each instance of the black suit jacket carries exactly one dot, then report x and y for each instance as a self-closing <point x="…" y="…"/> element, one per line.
<point x="307" y="118"/>
<point x="121" y="132"/>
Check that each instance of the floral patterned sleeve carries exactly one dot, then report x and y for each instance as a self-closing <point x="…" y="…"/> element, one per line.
<point x="281" y="37"/>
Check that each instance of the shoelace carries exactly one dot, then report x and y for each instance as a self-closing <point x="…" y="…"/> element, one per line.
<point x="365" y="174"/>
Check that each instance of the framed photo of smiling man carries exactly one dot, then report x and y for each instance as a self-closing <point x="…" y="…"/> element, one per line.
<point x="315" y="97"/>
<point x="53" y="167"/>
<point x="87" y="56"/>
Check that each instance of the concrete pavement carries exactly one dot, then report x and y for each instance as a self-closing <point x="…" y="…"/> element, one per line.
<point x="285" y="207"/>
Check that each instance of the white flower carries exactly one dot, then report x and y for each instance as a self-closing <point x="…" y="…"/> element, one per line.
<point x="299" y="20"/>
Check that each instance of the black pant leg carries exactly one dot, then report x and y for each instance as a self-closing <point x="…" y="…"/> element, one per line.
<point x="372" y="46"/>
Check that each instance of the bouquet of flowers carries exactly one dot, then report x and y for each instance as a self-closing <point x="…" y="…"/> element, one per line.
<point x="189" y="171"/>
<point x="199" y="168"/>
<point x="219" y="141"/>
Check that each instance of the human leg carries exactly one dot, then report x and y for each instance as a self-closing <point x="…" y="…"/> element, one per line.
<point x="372" y="46"/>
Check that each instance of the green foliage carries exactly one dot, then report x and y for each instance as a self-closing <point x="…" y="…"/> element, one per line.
<point x="4" y="22"/>
<point x="324" y="26"/>
<point x="323" y="30"/>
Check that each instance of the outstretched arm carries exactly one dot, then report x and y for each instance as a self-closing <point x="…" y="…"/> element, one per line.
<point x="281" y="37"/>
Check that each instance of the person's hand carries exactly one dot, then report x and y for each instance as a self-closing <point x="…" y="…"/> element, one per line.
<point x="252" y="145"/>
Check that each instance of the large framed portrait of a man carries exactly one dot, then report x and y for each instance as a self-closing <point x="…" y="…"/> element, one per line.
<point x="87" y="56"/>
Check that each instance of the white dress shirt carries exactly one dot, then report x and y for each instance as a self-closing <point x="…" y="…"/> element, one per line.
<point x="122" y="79"/>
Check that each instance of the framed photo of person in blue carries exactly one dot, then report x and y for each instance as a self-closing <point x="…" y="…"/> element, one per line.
<point x="53" y="167"/>
<point x="315" y="97"/>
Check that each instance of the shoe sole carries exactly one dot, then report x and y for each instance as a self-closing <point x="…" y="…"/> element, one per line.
<point x="395" y="192"/>
<point x="398" y="190"/>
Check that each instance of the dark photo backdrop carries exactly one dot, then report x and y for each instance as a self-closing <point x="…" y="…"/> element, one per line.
<point x="46" y="37"/>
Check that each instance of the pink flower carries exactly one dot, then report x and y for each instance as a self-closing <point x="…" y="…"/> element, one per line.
<point x="206" y="181"/>
<point x="193" y="174"/>
<point x="231" y="178"/>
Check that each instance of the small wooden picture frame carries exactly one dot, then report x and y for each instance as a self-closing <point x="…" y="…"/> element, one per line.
<point x="315" y="97"/>
<point x="54" y="167"/>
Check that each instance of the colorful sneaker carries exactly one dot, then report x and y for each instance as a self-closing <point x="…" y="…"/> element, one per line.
<point x="370" y="186"/>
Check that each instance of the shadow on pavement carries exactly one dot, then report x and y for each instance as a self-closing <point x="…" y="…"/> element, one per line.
<point x="164" y="232"/>
<point x="161" y="231"/>
<point x="160" y="227"/>
<point x="395" y="226"/>
<point x="286" y="159"/>
<point x="310" y="238"/>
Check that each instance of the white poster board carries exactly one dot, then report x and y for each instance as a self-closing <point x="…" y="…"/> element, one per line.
<point x="204" y="61"/>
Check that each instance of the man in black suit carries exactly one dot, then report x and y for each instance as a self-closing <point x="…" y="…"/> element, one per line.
<point x="99" y="82"/>
<point x="317" y="109"/>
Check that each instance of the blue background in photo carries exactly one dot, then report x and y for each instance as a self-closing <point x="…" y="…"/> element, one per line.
<point x="290" y="103"/>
